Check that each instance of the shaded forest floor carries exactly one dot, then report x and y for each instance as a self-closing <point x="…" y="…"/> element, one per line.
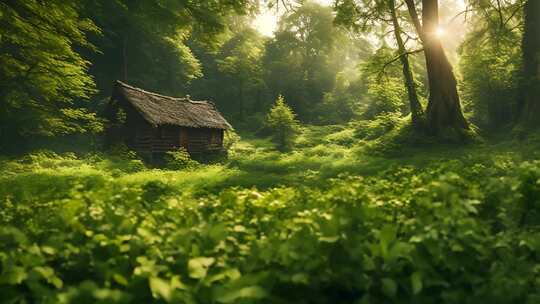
<point x="353" y="213"/>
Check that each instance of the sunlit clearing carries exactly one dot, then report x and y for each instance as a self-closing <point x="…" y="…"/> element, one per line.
<point x="439" y="32"/>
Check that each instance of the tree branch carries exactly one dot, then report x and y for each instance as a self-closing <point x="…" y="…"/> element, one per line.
<point x="411" y="7"/>
<point x="399" y="57"/>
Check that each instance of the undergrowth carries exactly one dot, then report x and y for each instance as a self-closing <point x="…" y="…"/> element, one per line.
<point x="351" y="215"/>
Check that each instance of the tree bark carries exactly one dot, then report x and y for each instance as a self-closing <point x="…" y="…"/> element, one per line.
<point x="414" y="103"/>
<point x="444" y="107"/>
<point x="531" y="64"/>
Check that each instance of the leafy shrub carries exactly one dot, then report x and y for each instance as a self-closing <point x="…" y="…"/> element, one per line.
<point x="449" y="227"/>
<point x="38" y="156"/>
<point x="402" y="236"/>
<point x="310" y="136"/>
<point x="336" y="108"/>
<point x="153" y="191"/>
<point x="122" y="151"/>
<point x="124" y="160"/>
<point x="179" y="159"/>
<point x="377" y="127"/>
<point x="386" y="92"/>
<point x="133" y="165"/>
<point x="230" y="138"/>
<point x="346" y="137"/>
<point x="48" y="159"/>
<point x="491" y="70"/>
<point x="385" y="97"/>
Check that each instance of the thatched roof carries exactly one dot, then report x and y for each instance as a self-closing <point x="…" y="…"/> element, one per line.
<point x="165" y="110"/>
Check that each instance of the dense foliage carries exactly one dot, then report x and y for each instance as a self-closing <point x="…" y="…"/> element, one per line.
<point x="491" y="70"/>
<point x="362" y="168"/>
<point x="281" y="120"/>
<point x="424" y="230"/>
<point x="44" y="81"/>
<point x="309" y="61"/>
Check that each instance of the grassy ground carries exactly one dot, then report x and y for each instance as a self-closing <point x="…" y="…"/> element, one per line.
<point x="320" y="153"/>
<point x="354" y="214"/>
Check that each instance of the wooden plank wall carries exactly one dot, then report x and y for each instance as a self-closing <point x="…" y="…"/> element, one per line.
<point x="156" y="140"/>
<point x="146" y="139"/>
<point x="166" y="139"/>
<point x="201" y="140"/>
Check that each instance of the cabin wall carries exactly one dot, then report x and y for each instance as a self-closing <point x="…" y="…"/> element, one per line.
<point x="122" y="131"/>
<point x="158" y="140"/>
<point x="204" y="139"/>
<point x="152" y="142"/>
<point x="166" y="138"/>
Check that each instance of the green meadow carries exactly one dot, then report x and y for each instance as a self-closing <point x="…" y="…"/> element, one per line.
<point x="341" y="219"/>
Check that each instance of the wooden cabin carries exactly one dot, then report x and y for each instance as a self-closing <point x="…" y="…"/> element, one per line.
<point x="152" y="124"/>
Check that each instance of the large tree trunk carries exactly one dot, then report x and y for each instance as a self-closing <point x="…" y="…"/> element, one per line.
<point x="444" y="107"/>
<point x="414" y="103"/>
<point x="531" y="64"/>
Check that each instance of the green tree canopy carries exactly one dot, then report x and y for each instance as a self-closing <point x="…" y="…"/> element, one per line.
<point x="306" y="55"/>
<point x="490" y="61"/>
<point x="233" y="72"/>
<point x="43" y="79"/>
<point x="146" y="42"/>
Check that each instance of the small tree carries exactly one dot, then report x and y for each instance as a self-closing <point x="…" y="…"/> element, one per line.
<point x="282" y="121"/>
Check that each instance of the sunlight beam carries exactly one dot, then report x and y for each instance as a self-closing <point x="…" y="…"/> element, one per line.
<point x="440" y="32"/>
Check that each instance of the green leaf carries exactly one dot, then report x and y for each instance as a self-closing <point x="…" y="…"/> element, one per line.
<point x="232" y="274"/>
<point x="160" y="288"/>
<point x="368" y="263"/>
<point x="416" y="282"/>
<point x="389" y="287"/>
<point x="45" y="272"/>
<point x="300" y="278"/>
<point x="177" y="284"/>
<point x="399" y="249"/>
<point x="239" y="228"/>
<point x="56" y="282"/>
<point x="48" y="274"/>
<point x="387" y="235"/>
<point x="120" y="279"/>
<point x="13" y="275"/>
<point x="48" y="250"/>
<point x="329" y="239"/>
<point x="251" y="292"/>
<point x="198" y="267"/>
<point x="218" y="232"/>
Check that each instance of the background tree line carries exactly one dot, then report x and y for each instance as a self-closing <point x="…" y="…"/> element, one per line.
<point x="355" y="60"/>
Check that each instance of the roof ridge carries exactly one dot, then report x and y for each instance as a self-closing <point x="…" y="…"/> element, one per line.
<point x="184" y="99"/>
